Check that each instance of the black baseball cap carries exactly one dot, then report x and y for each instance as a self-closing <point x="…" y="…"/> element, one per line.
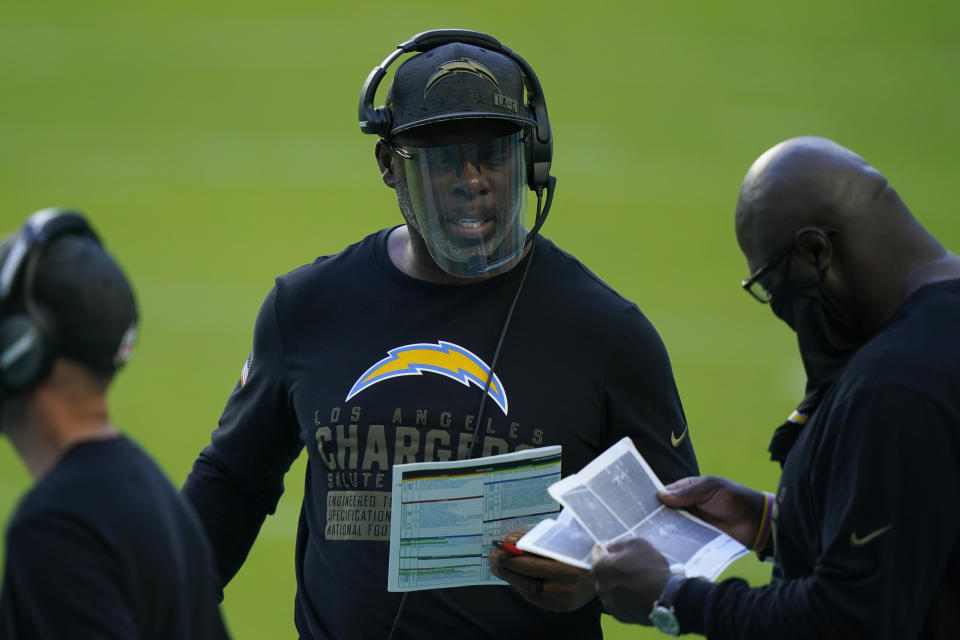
<point x="456" y="81"/>
<point x="90" y="300"/>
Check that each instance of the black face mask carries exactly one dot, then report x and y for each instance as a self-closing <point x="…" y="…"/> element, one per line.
<point x="826" y="333"/>
<point x="828" y="338"/>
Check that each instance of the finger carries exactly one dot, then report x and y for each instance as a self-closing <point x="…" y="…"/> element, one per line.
<point x="539" y="567"/>
<point x="605" y="570"/>
<point x="513" y="537"/>
<point x="688" y="492"/>
<point x="527" y="585"/>
<point x="498" y="557"/>
<point x="495" y="557"/>
<point x="596" y="554"/>
<point x="554" y="595"/>
<point x="630" y="556"/>
<point x="678" y="500"/>
<point x="611" y="566"/>
<point x="682" y="483"/>
<point x="635" y="545"/>
<point x="628" y="545"/>
<point x="615" y="547"/>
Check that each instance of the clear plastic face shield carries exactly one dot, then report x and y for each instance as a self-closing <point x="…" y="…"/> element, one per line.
<point x="469" y="201"/>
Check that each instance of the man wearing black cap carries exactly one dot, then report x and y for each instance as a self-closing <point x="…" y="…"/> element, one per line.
<point x="459" y="333"/>
<point x="102" y="546"/>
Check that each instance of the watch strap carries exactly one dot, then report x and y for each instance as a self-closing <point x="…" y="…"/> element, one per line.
<point x="662" y="615"/>
<point x="669" y="593"/>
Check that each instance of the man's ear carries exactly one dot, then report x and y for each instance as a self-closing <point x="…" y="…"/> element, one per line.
<point x="385" y="160"/>
<point x="814" y="249"/>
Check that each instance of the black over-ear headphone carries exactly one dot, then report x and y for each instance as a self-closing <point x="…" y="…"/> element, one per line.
<point x="28" y="335"/>
<point x="378" y="120"/>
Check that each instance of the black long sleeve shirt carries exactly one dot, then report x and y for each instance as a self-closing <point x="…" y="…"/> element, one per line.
<point x="867" y="529"/>
<point x="365" y="367"/>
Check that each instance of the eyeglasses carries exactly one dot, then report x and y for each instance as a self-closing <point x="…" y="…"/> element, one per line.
<point x="754" y="287"/>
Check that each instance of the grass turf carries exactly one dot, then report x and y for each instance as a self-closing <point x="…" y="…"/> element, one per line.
<point x="215" y="145"/>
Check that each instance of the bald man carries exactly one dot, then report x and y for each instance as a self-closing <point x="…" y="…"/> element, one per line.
<point x="866" y="533"/>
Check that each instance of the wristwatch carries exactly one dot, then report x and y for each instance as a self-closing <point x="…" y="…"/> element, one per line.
<point x="662" y="615"/>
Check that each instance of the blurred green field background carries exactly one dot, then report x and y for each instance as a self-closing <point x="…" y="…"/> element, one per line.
<point x="215" y="145"/>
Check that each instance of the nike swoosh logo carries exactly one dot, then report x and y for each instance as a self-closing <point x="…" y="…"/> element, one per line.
<point x="859" y="542"/>
<point x="676" y="440"/>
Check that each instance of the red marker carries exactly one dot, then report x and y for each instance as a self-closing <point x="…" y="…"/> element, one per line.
<point x="512" y="549"/>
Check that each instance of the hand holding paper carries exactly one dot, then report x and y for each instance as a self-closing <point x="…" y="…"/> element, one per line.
<point x="613" y="499"/>
<point x="542" y="581"/>
<point x="629" y="577"/>
<point x="731" y="507"/>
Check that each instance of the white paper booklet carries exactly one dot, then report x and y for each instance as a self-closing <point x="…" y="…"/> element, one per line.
<point x="615" y="498"/>
<point x="562" y="539"/>
<point x="445" y="515"/>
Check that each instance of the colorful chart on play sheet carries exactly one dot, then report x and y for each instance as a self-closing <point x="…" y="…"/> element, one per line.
<point x="446" y="515"/>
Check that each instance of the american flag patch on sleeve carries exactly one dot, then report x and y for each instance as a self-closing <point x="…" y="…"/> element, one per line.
<point x="246" y="369"/>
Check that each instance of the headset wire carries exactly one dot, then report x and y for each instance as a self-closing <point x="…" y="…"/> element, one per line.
<point x="493" y="363"/>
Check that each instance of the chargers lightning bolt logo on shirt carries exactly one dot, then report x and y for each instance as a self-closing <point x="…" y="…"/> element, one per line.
<point x="445" y="358"/>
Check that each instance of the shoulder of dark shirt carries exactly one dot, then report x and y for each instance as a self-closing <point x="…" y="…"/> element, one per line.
<point x="917" y="350"/>
<point x="920" y="342"/>
<point x="584" y="291"/>
<point x="570" y="271"/>
<point x="108" y="479"/>
<point x="306" y="274"/>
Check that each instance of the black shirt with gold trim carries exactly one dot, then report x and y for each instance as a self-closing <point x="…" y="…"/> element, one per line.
<point x="867" y="534"/>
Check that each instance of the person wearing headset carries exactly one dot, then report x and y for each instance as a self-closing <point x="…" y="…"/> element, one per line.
<point x="102" y="546"/>
<point x="458" y="333"/>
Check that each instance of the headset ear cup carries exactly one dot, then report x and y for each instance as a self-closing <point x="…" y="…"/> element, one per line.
<point x="28" y="347"/>
<point x="377" y="122"/>
<point x="24" y="356"/>
<point x="538" y="161"/>
<point x="384" y="121"/>
<point x="528" y="154"/>
<point x="539" y="147"/>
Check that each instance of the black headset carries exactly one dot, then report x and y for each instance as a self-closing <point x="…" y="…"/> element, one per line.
<point x="28" y="332"/>
<point x="539" y="146"/>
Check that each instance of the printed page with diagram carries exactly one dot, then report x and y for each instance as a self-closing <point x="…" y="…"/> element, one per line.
<point x="614" y="498"/>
